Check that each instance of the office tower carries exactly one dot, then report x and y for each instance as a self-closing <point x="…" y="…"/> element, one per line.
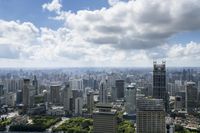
<point x="90" y="102"/>
<point x="32" y="93"/>
<point x="55" y="94"/>
<point x="76" y="84"/>
<point x="11" y="99"/>
<point x="130" y="99"/>
<point x="25" y="93"/>
<point x="119" y="84"/>
<point x="78" y="105"/>
<point x="113" y="94"/>
<point x="67" y="94"/>
<point x="182" y="95"/>
<point x="178" y="103"/>
<point x="1" y="90"/>
<point x="105" y="119"/>
<point x="150" y="116"/>
<point x="159" y="83"/>
<point x="35" y="85"/>
<point x="19" y="97"/>
<point x="191" y="97"/>
<point x="103" y="95"/>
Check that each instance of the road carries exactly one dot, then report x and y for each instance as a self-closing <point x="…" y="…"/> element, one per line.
<point x="57" y="124"/>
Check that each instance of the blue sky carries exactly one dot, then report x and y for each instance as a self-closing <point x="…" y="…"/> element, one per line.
<point x="99" y="33"/>
<point x="31" y="10"/>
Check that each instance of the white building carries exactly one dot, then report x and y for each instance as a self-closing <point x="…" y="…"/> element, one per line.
<point x="103" y="94"/>
<point x="130" y="99"/>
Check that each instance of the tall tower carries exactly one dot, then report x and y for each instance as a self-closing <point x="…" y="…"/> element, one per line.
<point x="67" y="94"/>
<point x="191" y="96"/>
<point x="119" y="84"/>
<point x="25" y="93"/>
<point x="130" y="98"/>
<point x="150" y="116"/>
<point x="90" y="102"/>
<point x="35" y="85"/>
<point x="55" y="94"/>
<point x="159" y="82"/>
<point x="103" y="96"/>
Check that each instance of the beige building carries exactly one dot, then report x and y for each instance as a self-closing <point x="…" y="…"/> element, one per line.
<point x="150" y="116"/>
<point x="105" y="119"/>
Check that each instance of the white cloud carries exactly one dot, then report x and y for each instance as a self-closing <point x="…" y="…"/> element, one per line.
<point x="125" y="34"/>
<point x="55" y="5"/>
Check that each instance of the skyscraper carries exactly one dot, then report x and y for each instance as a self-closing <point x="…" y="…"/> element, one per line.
<point x="150" y="116"/>
<point x="67" y="94"/>
<point x="130" y="99"/>
<point x="55" y="94"/>
<point x="103" y="96"/>
<point x="90" y="102"/>
<point x="78" y="105"/>
<point x="105" y="119"/>
<point x="191" y="97"/>
<point x="159" y="83"/>
<point x="119" y="84"/>
<point x="35" y="85"/>
<point x="25" y="93"/>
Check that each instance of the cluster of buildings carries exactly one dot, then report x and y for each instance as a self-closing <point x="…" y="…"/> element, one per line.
<point x="147" y="98"/>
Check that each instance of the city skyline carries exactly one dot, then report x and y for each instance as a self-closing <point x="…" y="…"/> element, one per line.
<point x="99" y="33"/>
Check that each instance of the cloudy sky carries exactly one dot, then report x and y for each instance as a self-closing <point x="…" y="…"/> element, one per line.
<point x="119" y="33"/>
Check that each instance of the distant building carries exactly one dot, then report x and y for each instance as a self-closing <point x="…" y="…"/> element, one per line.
<point x="150" y="116"/>
<point x="67" y="95"/>
<point x="119" y="84"/>
<point x="78" y="105"/>
<point x="130" y="99"/>
<point x="35" y="85"/>
<point x="90" y="102"/>
<point x="159" y="83"/>
<point x="25" y="93"/>
<point x="178" y="103"/>
<point x="55" y="94"/>
<point x="103" y="94"/>
<point x="191" y="97"/>
<point x="105" y="119"/>
<point x="11" y="99"/>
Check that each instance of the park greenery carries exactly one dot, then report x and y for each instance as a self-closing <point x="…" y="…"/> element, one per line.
<point x="76" y="125"/>
<point x="39" y="123"/>
<point x="3" y="123"/>
<point x="126" y="127"/>
<point x="85" y="125"/>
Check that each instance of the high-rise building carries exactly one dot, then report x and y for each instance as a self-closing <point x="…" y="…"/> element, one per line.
<point x="11" y="99"/>
<point x="130" y="99"/>
<point x="159" y="83"/>
<point x="67" y="95"/>
<point x="1" y="90"/>
<point x="178" y="103"/>
<point x="90" y="102"/>
<point x="191" y="97"/>
<point x="35" y="85"/>
<point x="25" y="93"/>
<point x="119" y="84"/>
<point x="103" y="95"/>
<point x="78" y="105"/>
<point x="55" y="94"/>
<point x="105" y="119"/>
<point x="150" y="116"/>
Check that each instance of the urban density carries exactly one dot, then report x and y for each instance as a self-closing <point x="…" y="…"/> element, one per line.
<point x="99" y="66"/>
<point x="101" y="100"/>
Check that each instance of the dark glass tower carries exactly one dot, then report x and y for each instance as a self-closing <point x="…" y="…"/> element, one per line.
<point x="159" y="82"/>
<point x="119" y="84"/>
